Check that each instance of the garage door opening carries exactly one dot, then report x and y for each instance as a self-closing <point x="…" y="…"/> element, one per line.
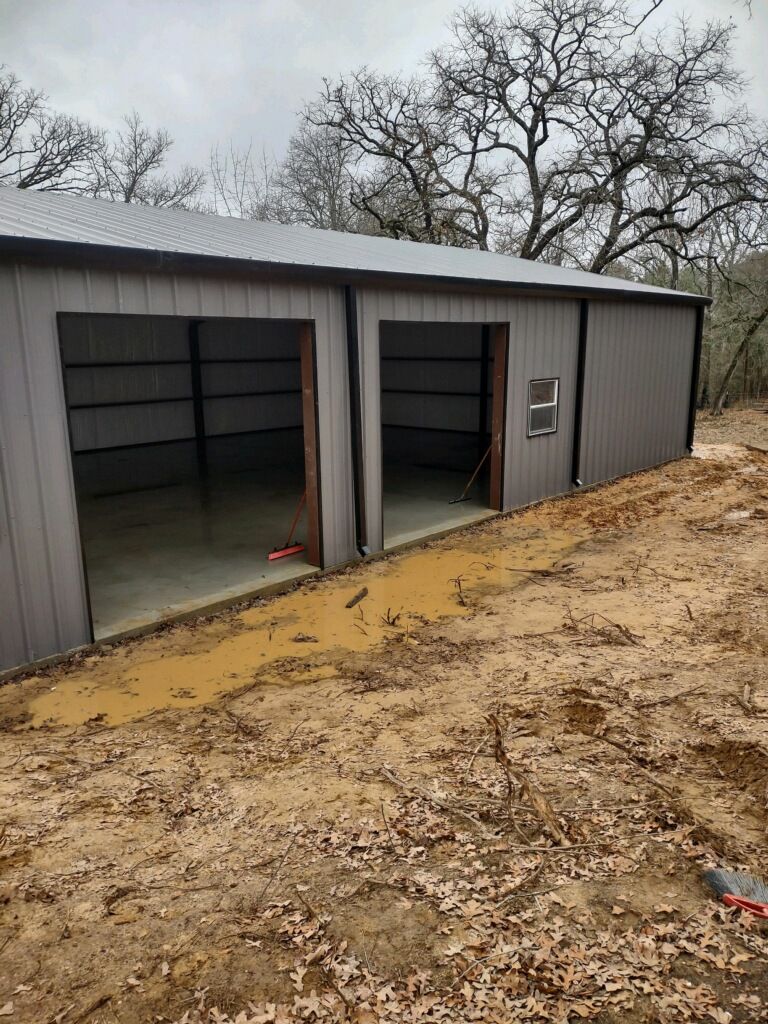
<point x="442" y="404"/>
<point x="193" y="444"/>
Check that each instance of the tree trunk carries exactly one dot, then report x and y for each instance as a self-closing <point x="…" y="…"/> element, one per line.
<point x="705" y="371"/>
<point x="754" y="327"/>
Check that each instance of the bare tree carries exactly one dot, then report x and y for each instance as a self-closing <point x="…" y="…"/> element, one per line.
<point x="420" y="171"/>
<point x="741" y="314"/>
<point x="129" y="168"/>
<point x="621" y="136"/>
<point x="310" y="186"/>
<point x="737" y="277"/>
<point x="244" y="186"/>
<point x="316" y="180"/>
<point x="558" y="131"/>
<point x="39" y="148"/>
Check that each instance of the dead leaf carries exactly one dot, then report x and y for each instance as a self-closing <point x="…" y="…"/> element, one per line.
<point x="297" y="977"/>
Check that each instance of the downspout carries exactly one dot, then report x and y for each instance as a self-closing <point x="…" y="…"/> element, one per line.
<point x="355" y="419"/>
<point x="578" y="411"/>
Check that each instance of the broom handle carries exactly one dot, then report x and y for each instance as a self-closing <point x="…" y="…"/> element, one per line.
<point x="474" y="475"/>
<point x="295" y="522"/>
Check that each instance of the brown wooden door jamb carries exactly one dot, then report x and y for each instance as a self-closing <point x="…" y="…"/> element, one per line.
<point x="500" y="342"/>
<point x="311" y="455"/>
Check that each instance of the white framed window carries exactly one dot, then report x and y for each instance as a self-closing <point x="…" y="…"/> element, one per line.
<point x="542" y="406"/>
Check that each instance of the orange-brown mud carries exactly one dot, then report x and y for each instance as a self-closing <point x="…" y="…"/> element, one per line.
<point x="293" y="811"/>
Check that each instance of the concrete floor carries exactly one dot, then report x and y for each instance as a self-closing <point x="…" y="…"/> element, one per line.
<point x="416" y="504"/>
<point x="158" y="551"/>
<point x="158" y="541"/>
<point x="422" y="472"/>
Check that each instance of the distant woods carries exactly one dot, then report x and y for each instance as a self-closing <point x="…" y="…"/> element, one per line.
<point x="560" y="130"/>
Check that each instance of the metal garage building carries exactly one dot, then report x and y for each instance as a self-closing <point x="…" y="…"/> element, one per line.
<point x="172" y="384"/>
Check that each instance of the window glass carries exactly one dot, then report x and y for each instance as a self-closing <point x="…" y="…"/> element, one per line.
<point x="542" y="392"/>
<point x="542" y="406"/>
<point x="542" y="419"/>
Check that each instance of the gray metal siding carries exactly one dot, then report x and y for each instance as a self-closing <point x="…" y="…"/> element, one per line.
<point x="543" y="342"/>
<point x="42" y="598"/>
<point x="637" y="387"/>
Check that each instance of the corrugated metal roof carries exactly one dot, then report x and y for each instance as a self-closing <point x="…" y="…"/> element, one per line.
<point x="55" y="217"/>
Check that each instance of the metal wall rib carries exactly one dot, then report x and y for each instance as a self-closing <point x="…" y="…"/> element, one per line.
<point x="43" y="608"/>
<point x="636" y="387"/>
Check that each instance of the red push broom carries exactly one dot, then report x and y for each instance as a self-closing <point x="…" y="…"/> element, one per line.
<point x="290" y="548"/>
<point x="739" y="889"/>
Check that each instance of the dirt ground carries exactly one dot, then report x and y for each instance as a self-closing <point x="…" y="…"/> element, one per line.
<point x="299" y="811"/>
<point x="747" y="426"/>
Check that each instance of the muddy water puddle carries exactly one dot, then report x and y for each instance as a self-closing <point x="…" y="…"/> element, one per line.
<point x="189" y="666"/>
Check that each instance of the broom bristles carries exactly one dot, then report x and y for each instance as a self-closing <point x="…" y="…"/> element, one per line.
<point x="737" y="883"/>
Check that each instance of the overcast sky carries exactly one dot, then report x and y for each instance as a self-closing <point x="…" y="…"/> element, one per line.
<point x="211" y="70"/>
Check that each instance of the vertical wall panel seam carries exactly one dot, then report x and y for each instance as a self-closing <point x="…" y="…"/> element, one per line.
<point x="13" y="551"/>
<point x="33" y="430"/>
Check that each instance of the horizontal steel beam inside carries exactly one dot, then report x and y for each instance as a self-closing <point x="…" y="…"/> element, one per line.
<point x="178" y="362"/>
<point x="443" y="394"/>
<point x="181" y="398"/>
<point x="189" y="439"/>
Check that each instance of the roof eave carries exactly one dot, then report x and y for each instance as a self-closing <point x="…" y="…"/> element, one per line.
<point x="85" y="254"/>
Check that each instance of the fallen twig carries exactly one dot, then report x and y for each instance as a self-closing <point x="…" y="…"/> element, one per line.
<point x="745" y="699"/>
<point x="391" y="620"/>
<point x="622" y="635"/>
<point x="389" y="831"/>
<point x="275" y="873"/>
<point x="531" y="792"/>
<point x="362" y="592"/>
<point x="456" y="581"/>
<point x="644" y="705"/>
<point x="425" y="794"/>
